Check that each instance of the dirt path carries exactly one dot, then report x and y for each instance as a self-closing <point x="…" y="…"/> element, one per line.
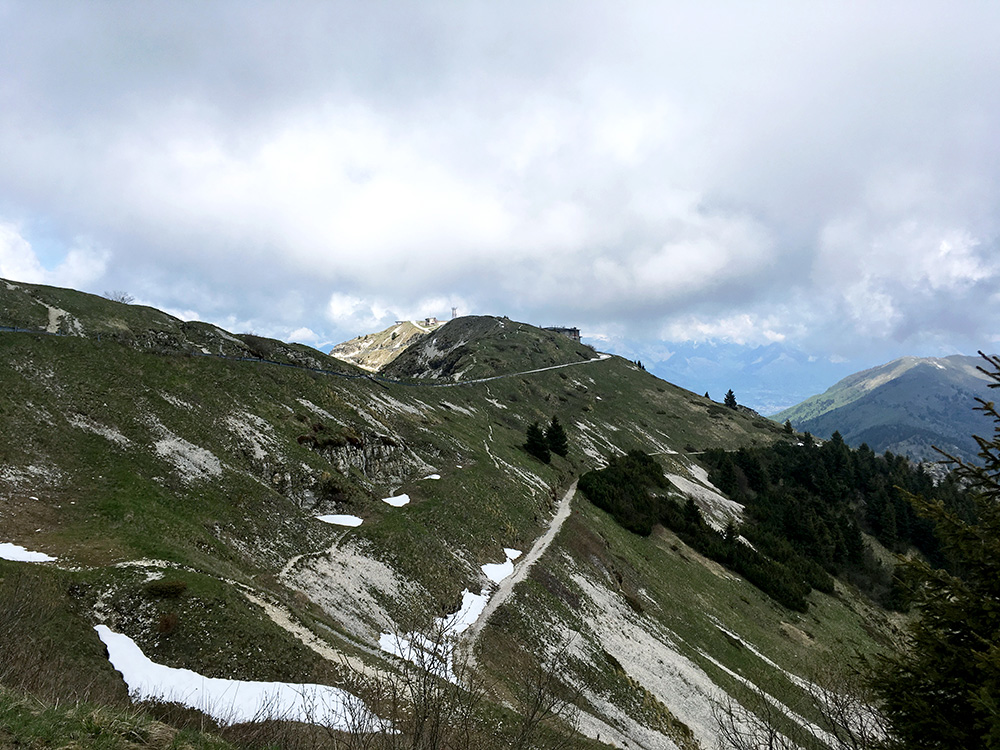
<point x="598" y="358"/>
<point x="506" y="587"/>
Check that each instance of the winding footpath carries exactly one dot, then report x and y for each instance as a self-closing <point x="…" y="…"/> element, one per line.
<point x="506" y="587"/>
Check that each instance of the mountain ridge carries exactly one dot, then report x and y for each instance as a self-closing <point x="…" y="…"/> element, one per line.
<point x="906" y="406"/>
<point x="134" y="456"/>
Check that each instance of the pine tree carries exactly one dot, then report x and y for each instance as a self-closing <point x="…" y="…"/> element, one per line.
<point x="943" y="691"/>
<point x="536" y="444"/>
<point x="789" y="430"/>
<point x="556" y="438"/>
<point x="730" y="399"/>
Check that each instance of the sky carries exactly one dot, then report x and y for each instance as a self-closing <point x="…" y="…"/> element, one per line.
<point x="820" y="176"/>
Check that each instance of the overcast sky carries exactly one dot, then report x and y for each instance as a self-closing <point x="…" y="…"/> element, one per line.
<point x="819" y="174"/>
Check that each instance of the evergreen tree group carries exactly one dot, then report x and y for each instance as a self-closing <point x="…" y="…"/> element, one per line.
<point x="943" y="690"/>
<point x="542" y="443"/>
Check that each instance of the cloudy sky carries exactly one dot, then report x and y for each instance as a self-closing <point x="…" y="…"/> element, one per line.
<point x="822" y="175"/>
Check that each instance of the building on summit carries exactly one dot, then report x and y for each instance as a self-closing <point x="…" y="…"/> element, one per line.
<point x="573" y="333"/>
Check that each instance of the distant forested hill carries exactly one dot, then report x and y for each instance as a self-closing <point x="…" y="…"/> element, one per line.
<point x="906" y="407"/>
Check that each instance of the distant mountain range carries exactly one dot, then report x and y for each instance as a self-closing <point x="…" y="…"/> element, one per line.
<point x="766" y="378"/>
<point x="907" y="406"/>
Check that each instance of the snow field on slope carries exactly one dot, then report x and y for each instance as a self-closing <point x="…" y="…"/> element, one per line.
<point x="436" y="652"/>
<point x="233" y="701"/>
<point x="17" y="553"/>
<point x="341" y="520"/>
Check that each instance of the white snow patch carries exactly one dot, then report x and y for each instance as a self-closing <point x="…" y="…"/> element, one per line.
<point x="231" y="701"/>
<point x="433" y="476"/>
<point x="497" y="572"/>
<point x="436" y="652"/>
<point x="17" y="553"/>
<point x="496" y="403"/>
<point x="341" y="520"/>
<point x="397" y="501"/>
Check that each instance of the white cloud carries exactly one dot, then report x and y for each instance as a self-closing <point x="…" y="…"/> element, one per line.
<point x="647" y="170"/>
<point x="304" y="336"/>
<point x="18" y="261"/>
<point x="742" y="329"/>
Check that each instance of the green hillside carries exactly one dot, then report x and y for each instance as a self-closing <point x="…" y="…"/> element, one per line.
<point x="906" y="406"/>
<point x="177" y="471"/>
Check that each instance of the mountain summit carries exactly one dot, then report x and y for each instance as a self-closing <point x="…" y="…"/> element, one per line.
<point x="906" y="406"/>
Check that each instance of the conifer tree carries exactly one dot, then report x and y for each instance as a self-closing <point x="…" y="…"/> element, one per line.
<point x="555" y="437"/>
<point x="730" y="399"/>
<point x="943" y="692"/>
<point x="536" y="444"/>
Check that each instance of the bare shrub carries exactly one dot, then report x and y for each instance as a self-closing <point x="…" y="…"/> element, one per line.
<point x="844" y="708"/>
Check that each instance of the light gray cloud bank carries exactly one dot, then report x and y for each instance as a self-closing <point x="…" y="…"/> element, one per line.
<point x="823" y="174"/>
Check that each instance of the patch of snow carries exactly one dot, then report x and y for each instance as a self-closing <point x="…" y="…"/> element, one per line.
<point x="397" y="501"/>
<point x="496" y="403"/>
<point x="17" y="553"/>
<point x="433" y="476"/>
<point x="436" y="652"/>
<point x="231" y="701"/>
<point x="341" y="520"/>
<point x="496" y="572"/>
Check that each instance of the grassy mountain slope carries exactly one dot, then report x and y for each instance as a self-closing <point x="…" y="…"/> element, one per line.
<point x="373" y="351"/>
<point x="132" y="457"/>
<point x="906" y="406"/>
